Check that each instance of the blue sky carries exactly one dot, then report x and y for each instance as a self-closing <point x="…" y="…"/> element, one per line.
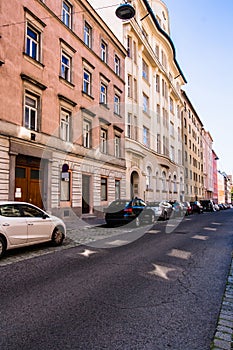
<point x="202" y="32"/>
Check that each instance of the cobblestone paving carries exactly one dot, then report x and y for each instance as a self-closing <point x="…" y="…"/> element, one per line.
<point x="223" y="338"/>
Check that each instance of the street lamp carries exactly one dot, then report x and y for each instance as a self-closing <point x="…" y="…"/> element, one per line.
<point x="125" y="11"/>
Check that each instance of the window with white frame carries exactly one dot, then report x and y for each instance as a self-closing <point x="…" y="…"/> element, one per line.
<point x="33" y="42"/>
<point x="65" y="125"/>
<point x="146" y="136"/>
<point x="87" y="79"/>
<point x="87" y="34"/>
<point x="66" y="13"/>
<point x="86" y="133"/>
<point x="117" y="144"/>
<point x="145" y="103"/>
<point x="117" y="104"/>
<point x="103" y="51"/>
<point x="103" y="140"/>
<point x="103" y="94"/>
<point x="65" y="66"/>
<point x="172" y="130"/>
<point x="31" y="109"/>
<point x="117" y="66"/>
<point x="128" y="125"/>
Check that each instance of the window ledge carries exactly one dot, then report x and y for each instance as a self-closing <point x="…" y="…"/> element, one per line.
<point x="84" y="93"/>
<point x="67" y="82"/>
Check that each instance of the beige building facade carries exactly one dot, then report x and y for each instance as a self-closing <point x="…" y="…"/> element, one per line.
<point x="61" y="91"/>
<point x="192" y="151"/>
<point x="153" y="103"/>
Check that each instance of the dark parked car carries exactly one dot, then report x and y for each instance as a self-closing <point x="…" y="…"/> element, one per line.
<point x="163" y="210"/>
<point x="121" y="212"/>
<point x="196" y="207"/>
<point x="208" y="204"/>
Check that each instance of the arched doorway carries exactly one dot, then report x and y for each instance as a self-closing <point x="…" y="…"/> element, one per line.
<point x="134" y="184"/>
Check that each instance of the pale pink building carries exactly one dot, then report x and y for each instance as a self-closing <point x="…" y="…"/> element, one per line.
<point x="61" y="120"/>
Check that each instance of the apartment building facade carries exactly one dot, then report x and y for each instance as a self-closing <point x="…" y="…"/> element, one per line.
<point x="61" y="91"/>
<point x="153" y="103"/>
<point x="192" y="151"/>
<point x="207" y="164"/>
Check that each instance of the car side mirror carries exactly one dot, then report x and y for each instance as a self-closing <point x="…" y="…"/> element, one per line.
<point x="45" y="216"/>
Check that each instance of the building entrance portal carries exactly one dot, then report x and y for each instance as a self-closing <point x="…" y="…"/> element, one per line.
<point x="134" y="184"/>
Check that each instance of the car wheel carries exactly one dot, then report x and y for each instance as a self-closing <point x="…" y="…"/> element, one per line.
<point x="137" y="221"/>
<point x="2" y="247"/>
<point x="58" y="236"/>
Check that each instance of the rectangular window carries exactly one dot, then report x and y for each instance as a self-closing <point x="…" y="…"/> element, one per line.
<point x="117" y="65"/>
<point x="103" y="94"/>
<point x="66" y="13"/>
<point x="87" y="82"/>
<point x="33" y="43"/>
<point x="146" y="137"/>
<point x="103" y="140"/>
<point x="158" y="143"/>
<point x="128" y="127"/>
<point x="135" y="89"/>
<point x="117" y="146"/>
<point x="103" y="52"/>
<point x="31" y="106"/>
<point x="135" y="53"/>
<point x="65" y="126"/>
<point x="145" y="103"/>
<point x="130" y="82"/>
<point x="87" y="34"/>
<point x="117" y="189"/>
<point x="145" y="70"/>
<point x="65" y="66"/>
<point x="157" y="83"/>
<point x="129" y="46"/>
<point x="117" y="104"/>
<point x="158" y="113"/>
<point x="171" y="105"/>
<point x="135" y="128"/>
<point x="86" y="134"/>
<point x="104" y="189"/>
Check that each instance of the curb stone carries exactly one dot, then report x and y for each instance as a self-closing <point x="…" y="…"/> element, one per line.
<point x="223" y="337"/>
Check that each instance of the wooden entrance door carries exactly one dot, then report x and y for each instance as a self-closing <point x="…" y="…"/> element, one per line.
<point x="27" y="185"/>
<point x="85" y="194"/>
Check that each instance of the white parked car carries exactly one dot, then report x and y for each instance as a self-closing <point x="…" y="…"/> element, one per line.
<point x="23" y="224"/>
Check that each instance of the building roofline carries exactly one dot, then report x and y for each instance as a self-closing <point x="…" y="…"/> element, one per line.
<point x="150" y="11"/>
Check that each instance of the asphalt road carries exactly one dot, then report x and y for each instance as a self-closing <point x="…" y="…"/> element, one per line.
<point x="162" y="291"/>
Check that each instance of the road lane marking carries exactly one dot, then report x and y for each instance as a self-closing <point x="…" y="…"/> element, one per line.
<point x="210" y="229"/>
<point x="202" y="238"/>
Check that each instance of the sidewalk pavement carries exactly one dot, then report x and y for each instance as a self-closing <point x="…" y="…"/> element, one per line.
<point x="84" y="232"/>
